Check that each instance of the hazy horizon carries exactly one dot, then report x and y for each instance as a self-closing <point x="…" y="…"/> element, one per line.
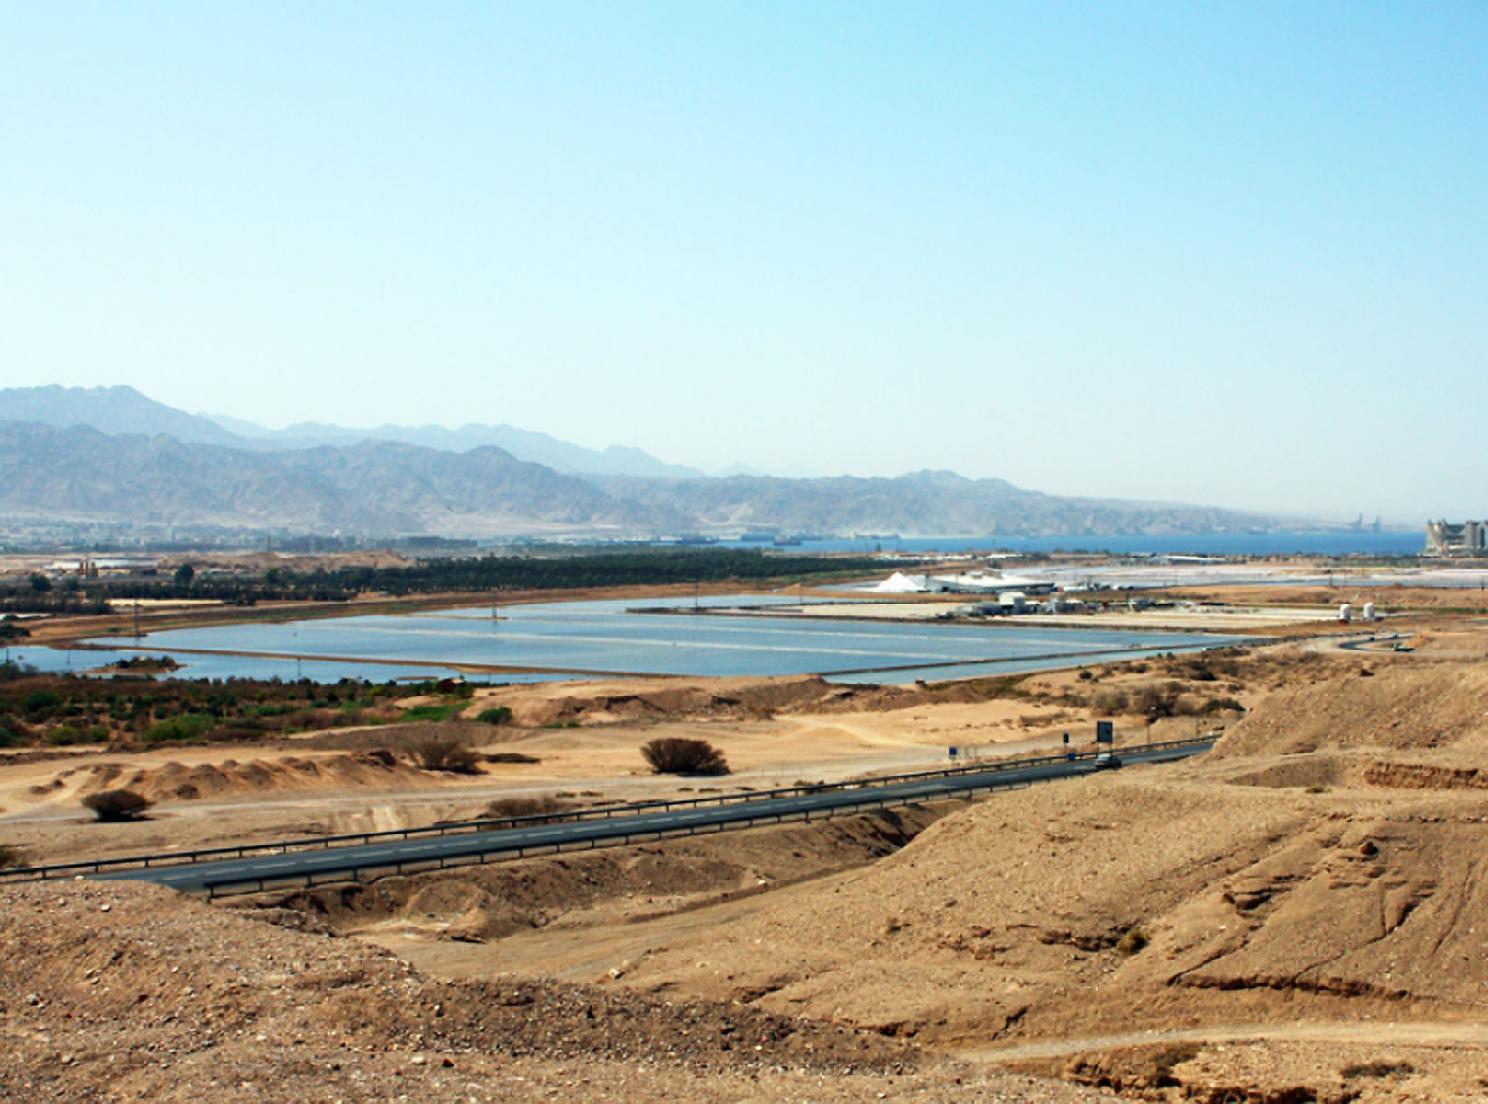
<point x="1140" y="251"/>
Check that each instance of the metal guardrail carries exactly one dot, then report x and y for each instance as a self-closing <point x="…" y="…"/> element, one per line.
<point x="602" y="812"/>
<point x="624" y="833"/>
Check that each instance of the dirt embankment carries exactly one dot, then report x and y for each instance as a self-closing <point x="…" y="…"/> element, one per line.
<point x="230" y="778"/>
<point x="1388" y="599"/>
<point x="665" y="699"/>
<point x="131" y="992"/>
<point x="1380" y="705"/>
<point x="618" y="885"/>
<point x="1146" y="903"/>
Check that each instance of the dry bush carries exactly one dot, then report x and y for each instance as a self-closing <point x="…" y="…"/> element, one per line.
<point x="1377" y="1069"/>
<point x="508" y="807"/>
<point x="1160" y="700"/>
<point x="9" y="856"/>
<point x="445" y="755"/>
<point x="510" y="757"/>
<point x="1221" y="705"/>
<point x="1110" y="702"/>
<point x="678" y="755"/>
<point x="113" y="806"/>
<point x="1132" y="940"/>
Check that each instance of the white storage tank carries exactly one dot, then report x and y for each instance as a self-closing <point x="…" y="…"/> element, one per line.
<point x="1345" y="613"/>
<point x="1369" y="613"/>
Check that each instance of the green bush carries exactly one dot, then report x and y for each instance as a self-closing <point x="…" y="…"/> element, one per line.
<point x="183" y="726"/>
<point x="39" y="703"/>
<point x="496" y="715"/>
<point x="10" y="738"/>
<point x="431" y="712"/>
<point x="68" y="735"/>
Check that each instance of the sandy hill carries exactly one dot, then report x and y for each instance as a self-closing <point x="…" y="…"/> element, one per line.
<point x="1400" y="705"/>
<point x="129" y="992"/>
<point x="1213" y="897"/>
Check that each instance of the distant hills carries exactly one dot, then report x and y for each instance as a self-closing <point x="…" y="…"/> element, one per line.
<point x="377" y="487"/>
<point x="122" y="409"/>
<point x="525" y="444"/>
<point x="112" y="454"/>
<point x="111" y="409"/>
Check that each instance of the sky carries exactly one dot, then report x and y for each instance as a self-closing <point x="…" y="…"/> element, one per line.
<point x="1233" y="254"/>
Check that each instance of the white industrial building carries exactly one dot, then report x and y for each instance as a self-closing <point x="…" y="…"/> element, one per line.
<point x="1468" y="538"/>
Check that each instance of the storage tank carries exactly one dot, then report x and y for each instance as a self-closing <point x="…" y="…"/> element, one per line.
<point x="1369" y="614"/>
<point x="1345" y="613"/>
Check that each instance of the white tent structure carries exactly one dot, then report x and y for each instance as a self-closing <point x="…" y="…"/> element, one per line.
<point x="900" y="583"/>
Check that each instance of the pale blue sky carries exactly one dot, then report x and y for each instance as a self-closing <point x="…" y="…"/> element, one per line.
<point x="1222" y="253"/>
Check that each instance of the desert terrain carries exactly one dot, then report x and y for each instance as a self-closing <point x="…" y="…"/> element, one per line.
<point x="1291" y="916"/>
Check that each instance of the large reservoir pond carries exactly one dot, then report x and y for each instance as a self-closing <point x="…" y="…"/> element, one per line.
<point x="578" y="639"/>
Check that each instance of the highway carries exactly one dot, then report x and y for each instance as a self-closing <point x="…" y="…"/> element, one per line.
<point x="324" y="865"/>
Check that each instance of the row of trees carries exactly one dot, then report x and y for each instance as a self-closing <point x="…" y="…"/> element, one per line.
<point x="483" y="573"/>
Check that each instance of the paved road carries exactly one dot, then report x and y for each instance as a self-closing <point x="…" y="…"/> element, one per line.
<point x="343" y="860"/>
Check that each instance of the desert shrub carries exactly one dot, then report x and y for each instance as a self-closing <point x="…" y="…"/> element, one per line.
<point x="1110" y="701"/>
<point x="40" y="703"/>
<point x="445" y="755"/>
<point x="68" y="735"/>
<point x="1167" y="1059"/>
<point x="117" y="805"/>
<point x="1158" y="700"/>
<point x="679" y="755"/>
<point x="507" y="807"/>
<point x="496" y="715"/>
<point x="510" y="757"/>
<point x="1221" y="705"/>
<point x="9" y="856"/>
<point x="1132" y="940"/>
<point x="183" y="726"/>
<point x="1377" y="1069"/>
<point x="1086" y="675"/>
<point x="9" y="737"/>
<point x="431" y="712"/>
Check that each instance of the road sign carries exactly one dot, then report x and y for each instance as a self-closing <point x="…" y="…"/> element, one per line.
<point x="953" y="750"/>
<point x="1105" y="732"/>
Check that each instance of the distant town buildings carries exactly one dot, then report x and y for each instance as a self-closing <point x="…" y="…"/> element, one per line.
<point x="1445" y="538"/>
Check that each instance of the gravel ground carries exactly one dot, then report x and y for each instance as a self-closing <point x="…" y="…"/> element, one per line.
<point x="133" y="993"/>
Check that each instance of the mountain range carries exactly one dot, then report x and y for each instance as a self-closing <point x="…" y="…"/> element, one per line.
<point x="112" y="454"/>
<point x="122" y="409"/>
